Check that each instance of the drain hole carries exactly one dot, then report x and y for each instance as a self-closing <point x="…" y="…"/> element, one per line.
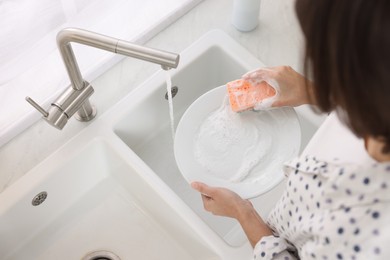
<point x="101" y="255"/>
<point x="39" y="198"/>
<point x="174" y="91"/>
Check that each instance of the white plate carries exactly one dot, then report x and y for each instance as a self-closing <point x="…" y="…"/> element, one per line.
<point x="281" y="131"/>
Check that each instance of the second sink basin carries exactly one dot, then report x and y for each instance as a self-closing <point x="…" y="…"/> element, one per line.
<point x="95" y="202"/>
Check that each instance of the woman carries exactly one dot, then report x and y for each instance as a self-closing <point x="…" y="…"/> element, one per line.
<point x="330" y="210"/>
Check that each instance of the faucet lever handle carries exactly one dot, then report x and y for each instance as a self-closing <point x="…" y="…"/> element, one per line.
<point x="37" y="107"/>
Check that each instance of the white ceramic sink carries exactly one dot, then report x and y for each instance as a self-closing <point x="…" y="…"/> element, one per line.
<point x="116" y="186"/>
<point x="95" y="201"/>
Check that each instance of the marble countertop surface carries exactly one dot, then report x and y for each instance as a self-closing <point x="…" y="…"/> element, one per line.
<point x="276" y="41"/>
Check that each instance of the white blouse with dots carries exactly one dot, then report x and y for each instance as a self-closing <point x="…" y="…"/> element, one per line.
<point x="330" y="210"/>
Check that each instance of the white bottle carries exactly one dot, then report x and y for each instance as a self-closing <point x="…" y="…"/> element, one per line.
<point x="246" y="14"/>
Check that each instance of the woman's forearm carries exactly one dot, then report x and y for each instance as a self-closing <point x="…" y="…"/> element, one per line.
<point x="253" y="225"/>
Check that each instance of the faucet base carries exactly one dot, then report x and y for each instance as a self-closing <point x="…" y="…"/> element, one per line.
<point x="86" y="113"/>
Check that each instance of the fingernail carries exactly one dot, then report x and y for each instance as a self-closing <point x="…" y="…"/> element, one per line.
<point x="194" y="185"/>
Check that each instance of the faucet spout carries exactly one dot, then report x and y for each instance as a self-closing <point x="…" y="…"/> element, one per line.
<point x="68" y="35"/>
<point x="76" y="98"/>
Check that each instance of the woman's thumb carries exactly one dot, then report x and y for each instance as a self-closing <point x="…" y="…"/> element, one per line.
<point x="202" y="188"/>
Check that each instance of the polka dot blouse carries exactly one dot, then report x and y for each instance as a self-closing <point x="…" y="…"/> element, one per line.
<point x="330" y="210"/>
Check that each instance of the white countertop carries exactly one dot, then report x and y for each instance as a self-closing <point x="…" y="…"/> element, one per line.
<point x="333" y="133"/>
<point x="276" y="41"/>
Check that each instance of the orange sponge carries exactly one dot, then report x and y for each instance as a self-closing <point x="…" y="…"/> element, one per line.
<point x="243" y="94"/>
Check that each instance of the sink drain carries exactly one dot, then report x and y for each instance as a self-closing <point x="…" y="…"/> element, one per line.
<point x="101" y="255"/>
<point x="174" y="91"/>
<point x="39" y="198"/>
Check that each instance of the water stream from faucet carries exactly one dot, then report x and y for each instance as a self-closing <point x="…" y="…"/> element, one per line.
<point x="170" y="101"/>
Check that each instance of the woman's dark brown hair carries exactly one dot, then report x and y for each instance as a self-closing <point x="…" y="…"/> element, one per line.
<point x="348" y="53"/>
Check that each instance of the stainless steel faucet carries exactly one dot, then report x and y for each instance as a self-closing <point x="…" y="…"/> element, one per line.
<point x="75" y="97"/>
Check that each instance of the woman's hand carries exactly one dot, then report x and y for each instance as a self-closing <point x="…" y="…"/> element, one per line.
<point x="223" y="202"/>
<point x="292" y="88"/>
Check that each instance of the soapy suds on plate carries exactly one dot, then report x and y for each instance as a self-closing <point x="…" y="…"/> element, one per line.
<point x="230" y="145"/>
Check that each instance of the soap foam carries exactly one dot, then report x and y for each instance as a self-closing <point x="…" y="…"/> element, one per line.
<point x="229" y="145"/>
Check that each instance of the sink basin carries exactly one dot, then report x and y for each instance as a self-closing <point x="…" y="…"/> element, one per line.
<point x="116" y="187"/>
<point x="145" y="128"/>
<point x="95" y="201"/>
